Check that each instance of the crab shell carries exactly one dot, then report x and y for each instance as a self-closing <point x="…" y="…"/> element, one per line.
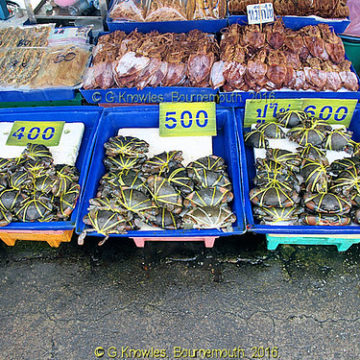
<point x="210" y="162"/>
<point x="216" y="196"/>
<point x="206" y="178"/>
<point x="346" y="182"/>
<point x="327" y="203"/>
<point x="274" y="196"/>
<point x="256" y="139"/>
<point x="274" y="215"/>
<point x="271" y="130"/>
<point x="166" y="220"/>
<point x="164" y="194"/>
<point x="339" y="140"/>
<point x="126" y="145"/>
<point x="161" y="163"/>
<point x="325" y="220"/>
<point x="210" y="217"/>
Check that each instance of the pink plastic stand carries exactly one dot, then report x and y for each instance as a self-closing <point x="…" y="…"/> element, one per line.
<point x="208" y="240"/>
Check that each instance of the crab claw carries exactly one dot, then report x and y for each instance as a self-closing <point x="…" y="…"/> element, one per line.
<point x="82" y="237"/>
<point x="102" y="242"/>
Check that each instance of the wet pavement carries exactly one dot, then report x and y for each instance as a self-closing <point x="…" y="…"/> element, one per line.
<point x="297" y="303"/>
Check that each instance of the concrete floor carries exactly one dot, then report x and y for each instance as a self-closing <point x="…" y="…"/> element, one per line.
<point x="301" y="302"/>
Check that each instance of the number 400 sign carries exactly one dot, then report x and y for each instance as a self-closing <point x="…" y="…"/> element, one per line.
<point x="40" y="132"/>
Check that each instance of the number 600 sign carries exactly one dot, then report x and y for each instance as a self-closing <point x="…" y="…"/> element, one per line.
<point x="39" y="132"/>
<point x="187" y="119"/>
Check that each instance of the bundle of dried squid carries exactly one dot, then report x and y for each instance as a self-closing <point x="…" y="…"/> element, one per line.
<point x="152" y="59"/>
<point x="274" y="57"/>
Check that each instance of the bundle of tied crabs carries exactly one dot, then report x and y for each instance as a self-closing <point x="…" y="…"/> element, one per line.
<point x="33" y="188"/>
<point x="250" y="57"/>
<point x="158" y="191"/>
<point x="302" y="188"/>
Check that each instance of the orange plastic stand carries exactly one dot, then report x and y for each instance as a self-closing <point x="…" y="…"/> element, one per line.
<point x="53" y="238"/>
<point x="208" y="240"/>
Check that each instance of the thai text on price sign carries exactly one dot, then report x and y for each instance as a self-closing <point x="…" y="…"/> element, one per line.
<point x="260" y="13"/>
<point x="335" y="111"/>
<point x="37" y="132"/>
<point x="187" y="119"/>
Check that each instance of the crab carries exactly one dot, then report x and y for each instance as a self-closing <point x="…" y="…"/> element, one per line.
<point x="311" y="152"/>
<point x="66" y="175"/>
<point x="35" y="208"/>
<point x="5" y="218"/>
<point x="19" y="179"/>
<point x="339" y="140"/>
<point x="340" y="165"/>
<point x="325" y="220"/>
<point x="38" y="168"/>
<point x="356" y="216"/>
<point x="125" y="179"/>
<point x="289" y="215"/>
<point x="285" y="157"/>
<point x="164" y="194"/>
<point x="166" y="220"/>
<point x="316" y="176"/>
<point x="38" y="152"/>
<point x="3" y="182"/>
<point x="44" y="184"/>
<point x="210" y="162"/>
<point x="333" y="44"/>
<point x="256" y="138"/>
<point x="178" y="177"/>
<point x="265" y="167"/>
<point x="206" y="178"/>
<point x="11" y="199"/>
<point x="271" y="130"/>
<point x="7" y="165"/>
<point x="216" y="196"/>
<point x="126" y="145"/>
<point x="210" y="217"/>
<point x="328" y="203"/>
<point x="68" y="201"/>
<point x="123" y="162"/>
<point x="274" y="196"/>
<point x="304" y="136"/>
<point x="347" y="181"/>
<point x="161" y="163"/>
<point x="291" y="118"/>
<point x="137" y="202"/>
<point x="289" y="180"/>
<point x="103" y="222"/>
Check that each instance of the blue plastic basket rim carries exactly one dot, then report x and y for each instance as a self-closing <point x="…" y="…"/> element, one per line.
<point x="283" y="229"/>
<point x="163" y="233"/>
<point x="55" y="225"/>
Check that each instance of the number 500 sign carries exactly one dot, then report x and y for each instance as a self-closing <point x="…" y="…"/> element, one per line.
<point x="187" y="119"/>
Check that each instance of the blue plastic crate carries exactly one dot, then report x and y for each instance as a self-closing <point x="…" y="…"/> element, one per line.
<point x="37" y="95"/>
<point x="297" y="22"/>
<point x="224" y="144"/>
<point x="209" y="26"/>
<point x="248" y="173"/>
<point x="89" y="115"/>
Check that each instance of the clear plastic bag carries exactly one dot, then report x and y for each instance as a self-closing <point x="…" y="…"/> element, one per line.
<point x="206" y="9"/>
<point x="166" y="10"/>
<point x="62" y="66"/>
<point x="354" y="28"/>
<point x="42" y="68"/>
<point x="25" y="36"/>
<point x="129" y="10"/>
<point x="70" y="35"/>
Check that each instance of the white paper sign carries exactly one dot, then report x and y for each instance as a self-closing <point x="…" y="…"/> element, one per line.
<point x="260" y="13"/>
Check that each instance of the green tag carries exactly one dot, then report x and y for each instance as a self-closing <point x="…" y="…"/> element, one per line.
<point x="187" y="119"/>
<point x="335" y="111"/>
<point x="36" y="132"/>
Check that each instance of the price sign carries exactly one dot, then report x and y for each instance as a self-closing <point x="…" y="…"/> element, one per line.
<point x="187" y="119"/>
<point x="260" y="13"/>
<point x="40" y="132"/>
<point x="334" y="111"/>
